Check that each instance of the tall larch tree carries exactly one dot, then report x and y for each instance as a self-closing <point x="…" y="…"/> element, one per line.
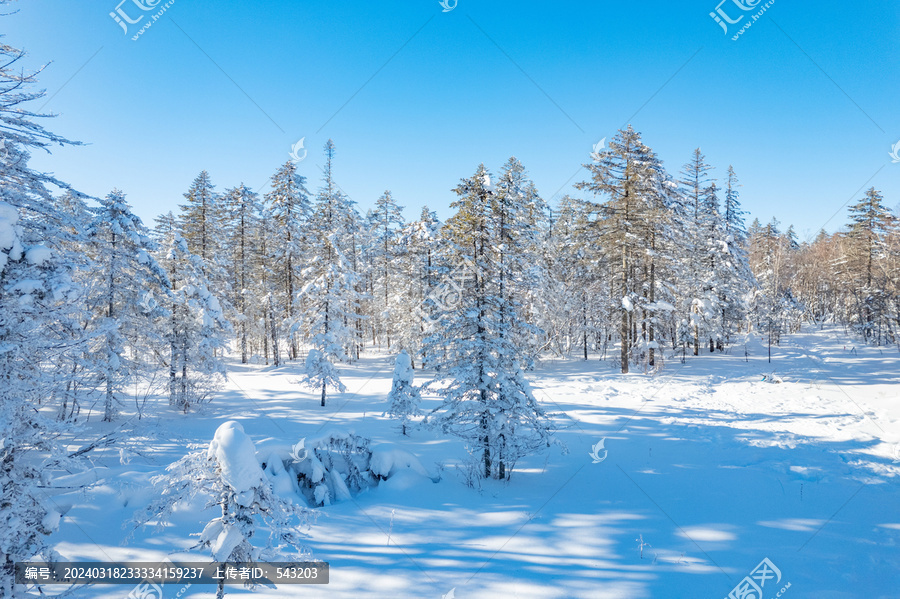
<point x="242" y="210"/>
<point x="330" y="298"/>
<point x="625" y="173"/>
<point x="289" y="206"/>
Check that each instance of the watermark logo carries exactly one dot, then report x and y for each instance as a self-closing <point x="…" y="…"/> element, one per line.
<point x="751" y="587"/>
<point x="448" y="294"/>
<point x="148" y="303"/>
<point x="448" y="5"/>
<point x="597" y="148"/>
<point x="3" y="151"/>
<point x="134" y="14"/>
<point x="121" y="17"/>
<point x="894" y="153"/>
<point x="896" y="453"/>
<point x="295" y="151"/>
<point x="596" y="449"/>
<point x="299" y="451"/>
<point x="451" y="594"/>
<point x="150" y="590"/>
<point x="146" y="590"/>
<point x="732" y="15"/>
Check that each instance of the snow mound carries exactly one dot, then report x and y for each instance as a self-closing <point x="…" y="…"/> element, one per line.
<point x="236" y="456"/>
<point x="9" y="218"/>
<point x="10" y="246"/>
<point x="37" y="255"/>
<point x="387" y="460"/>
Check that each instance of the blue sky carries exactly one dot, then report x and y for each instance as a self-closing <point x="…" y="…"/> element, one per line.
<point x="805" y="104"/>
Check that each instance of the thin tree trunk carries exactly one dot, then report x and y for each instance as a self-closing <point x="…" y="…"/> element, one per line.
<point x="584" y="324"/>
<point x="652" y="328"/>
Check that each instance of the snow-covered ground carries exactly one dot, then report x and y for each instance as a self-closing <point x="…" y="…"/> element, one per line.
<point x="710" y="469"/>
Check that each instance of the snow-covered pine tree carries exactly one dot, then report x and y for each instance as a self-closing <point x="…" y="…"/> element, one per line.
<point x="230" y="477"/>
<point x="871" y="226"/>
<point x="320" y="372"/>
<point x="695" y="183"/>
<point x="164" y="229"/>
<point x="267" y="287"/>
<point x="404" y="397"/>
<point x="358" y="240"/>
<point x="202" y="224"/>
<point x="769" y="255"/>
<point x="242" y="209"/>
<point x="196" y="328"/>
<point x="738" y="282"/>
<point x="200" y="220"/>
<point x="419" y="245"/>
<point x="629" y="173"/>
<point x="570" y="293"/>
<point x="521" y="215"/>
<point x="289" y="208"/>
<point x="480" y="340"/>
<point x="707" y="311"/>
<point x="330" y="298"/>
<point x="40" y="316"/>
<point x="125" y="278"/>
<point x="80" y="379"/>
<point x="386" y="219"/>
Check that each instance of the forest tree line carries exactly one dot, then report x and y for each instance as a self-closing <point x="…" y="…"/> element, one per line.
<point x="653" y="262"/>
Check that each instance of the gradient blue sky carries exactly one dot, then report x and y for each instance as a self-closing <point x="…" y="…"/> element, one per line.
<point x="805" y="105"/>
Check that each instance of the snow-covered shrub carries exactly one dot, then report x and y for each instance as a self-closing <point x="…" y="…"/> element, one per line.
<point x="337" y="466"/>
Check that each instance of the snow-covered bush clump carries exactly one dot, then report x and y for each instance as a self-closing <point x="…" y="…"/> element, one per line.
<point x="336" y="466"/>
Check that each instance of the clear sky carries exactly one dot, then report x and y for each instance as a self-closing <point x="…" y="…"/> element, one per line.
<point x="805" y="104"/>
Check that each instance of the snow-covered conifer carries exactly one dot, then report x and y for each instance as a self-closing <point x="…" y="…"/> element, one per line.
<point x="196" y="328"/>
<point x="41" y="309"/>
<point x="480" y="339"/>
<point x="242" y="209"/>
<point x="126" y="278"/>
<point x="330" y="299"/>
<point x="289" y="209"/>
<point x="404" y="396"/>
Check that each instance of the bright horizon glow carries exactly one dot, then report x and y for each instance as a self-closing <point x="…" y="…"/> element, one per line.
<point x="803" y="104"/>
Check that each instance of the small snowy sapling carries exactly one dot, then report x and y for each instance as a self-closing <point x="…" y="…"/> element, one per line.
<point x="232" y="478"/>
<point x="404" y="396"/>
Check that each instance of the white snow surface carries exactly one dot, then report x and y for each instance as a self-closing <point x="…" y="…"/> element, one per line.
<point x="234" y="452"/>
<point x="713" y="467"/>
